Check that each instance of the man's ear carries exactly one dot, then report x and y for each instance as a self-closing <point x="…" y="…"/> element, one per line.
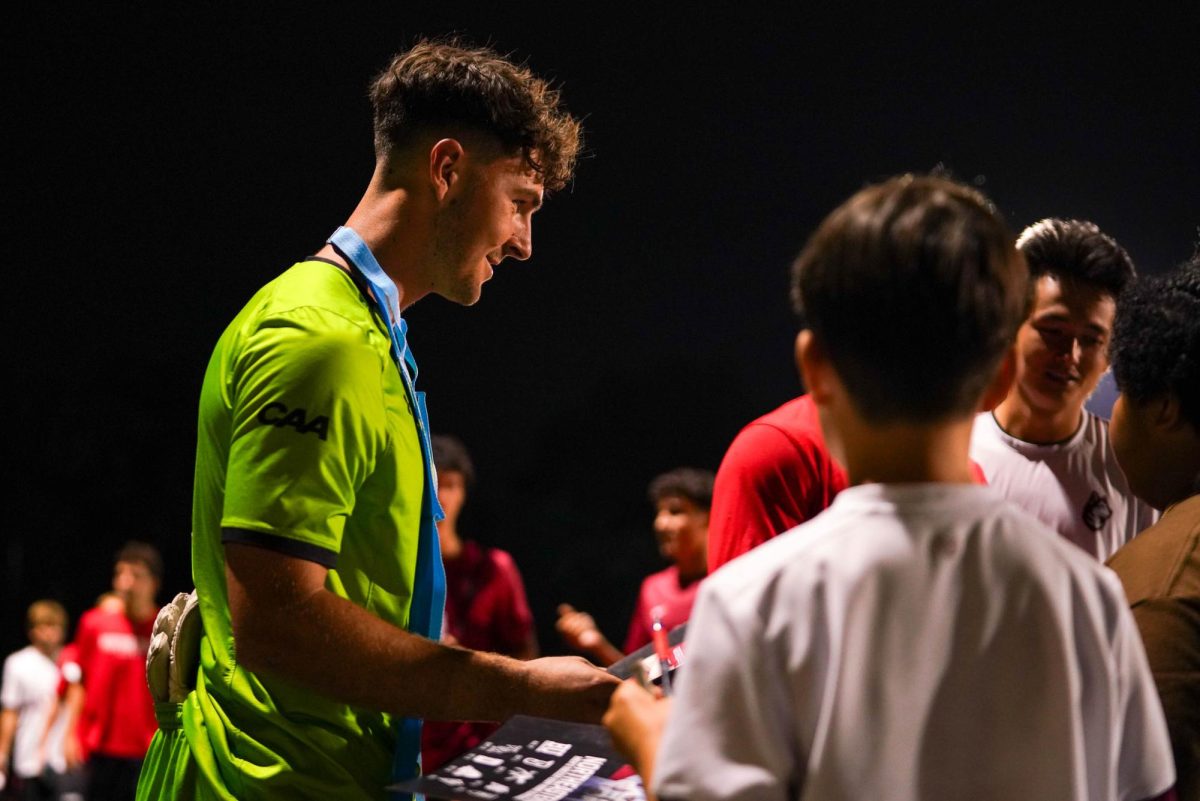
<point x="1166" y="412"/>
<point x="815" y="369"/>
<point x="1002" y="383"/>
<point x="446" y="159"/>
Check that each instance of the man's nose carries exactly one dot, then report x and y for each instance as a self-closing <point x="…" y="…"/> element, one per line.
<point x="520" y="245"/>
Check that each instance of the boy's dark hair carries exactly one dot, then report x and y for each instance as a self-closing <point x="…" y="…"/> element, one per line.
<point x="1076" y="250"/>
<point x="447" y="83"/>
<point x="144" y="552"/>
<point x="1155" y="347"/>
<point x="684" y="482"/>
<point x="915" y="290"/>
<point x="450" y="456"/>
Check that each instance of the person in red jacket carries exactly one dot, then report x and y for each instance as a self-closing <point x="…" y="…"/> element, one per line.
<point x="111" y="711"/>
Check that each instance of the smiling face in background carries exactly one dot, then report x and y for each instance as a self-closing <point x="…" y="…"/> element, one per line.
<point x="489" y="217"/>
<point x="1062" y="349"/>
<point x="682" y="530"/>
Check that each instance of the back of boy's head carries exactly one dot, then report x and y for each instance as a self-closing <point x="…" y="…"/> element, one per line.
<point x="450" y="456"/>
<point x="1078" y="251"/>
<point x="914" y="289"/>
<point x="684" y="482"/>
<point x="1156" y="339"/>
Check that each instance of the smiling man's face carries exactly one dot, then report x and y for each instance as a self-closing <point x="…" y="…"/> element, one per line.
<point x="1062" y="349"/>
<point x="489" y="218"/>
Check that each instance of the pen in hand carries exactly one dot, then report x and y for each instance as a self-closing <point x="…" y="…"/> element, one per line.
<point x="662" y="649"/>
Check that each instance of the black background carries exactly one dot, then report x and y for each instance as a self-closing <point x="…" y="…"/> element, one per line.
<point x="164" y="161"/>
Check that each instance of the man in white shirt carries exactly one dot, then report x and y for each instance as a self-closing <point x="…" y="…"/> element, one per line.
<point x="922" y="638"/>
<point x="28" y="696"/>
<point x="1040" y="448"/>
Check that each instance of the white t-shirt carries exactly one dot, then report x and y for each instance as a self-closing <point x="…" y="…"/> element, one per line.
<point x="1074" y="487"/>
<point x="30" y="686"/>
<point x="924" y="641"/>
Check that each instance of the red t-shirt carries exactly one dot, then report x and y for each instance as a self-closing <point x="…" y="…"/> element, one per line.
<point x="118" y="714"/>
<point x="486" y="610"/>
<point x="776" y="475"/>
<point x="661" y="589"/>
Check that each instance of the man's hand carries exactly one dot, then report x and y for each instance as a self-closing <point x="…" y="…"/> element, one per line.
<point x="635" y="719"/>
<point x="580" y="632"/>
<point x="72" y="751"/>
<point x="570" y="688"/>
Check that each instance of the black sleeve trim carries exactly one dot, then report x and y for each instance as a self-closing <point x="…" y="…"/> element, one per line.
<point x="283" y="545"/>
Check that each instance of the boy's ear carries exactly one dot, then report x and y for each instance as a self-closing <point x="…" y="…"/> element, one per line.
<point x="1002" y="383"/>
<point x="815" y="368"/>
<point x="1167" y="412"/>
<point x="445" y="165"/>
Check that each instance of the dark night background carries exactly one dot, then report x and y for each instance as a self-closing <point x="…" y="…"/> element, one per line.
<point x="165" y="161"/>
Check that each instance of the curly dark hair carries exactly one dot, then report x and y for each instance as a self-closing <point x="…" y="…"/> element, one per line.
<point x="684" y="482"/>
<point x="1155" y="347"/>
<point x="450" y="456"/>
<point x="915" y="290"/>
<point x="1076" y="250"/>
<point x="445" y="82"/>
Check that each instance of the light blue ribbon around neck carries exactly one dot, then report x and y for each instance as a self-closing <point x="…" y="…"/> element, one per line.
<point x="429" y="583"/>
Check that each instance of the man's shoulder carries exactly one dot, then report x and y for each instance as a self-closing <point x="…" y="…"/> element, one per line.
<point x="873" y="524"/>
<point x="778" y="434"/>
<point x="797" y="417"/>
<point x="314" y="296"/>
<point x="1164" y="557"/>
<point x="19" y="658"/>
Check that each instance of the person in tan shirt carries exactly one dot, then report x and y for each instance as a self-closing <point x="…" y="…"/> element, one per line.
<point x="1156" y="434"/>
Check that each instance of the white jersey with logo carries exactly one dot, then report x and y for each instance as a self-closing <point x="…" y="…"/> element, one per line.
<point x="30" y="687"/>
<point x="923" y="641"/>
<point x="1075" y="487"/>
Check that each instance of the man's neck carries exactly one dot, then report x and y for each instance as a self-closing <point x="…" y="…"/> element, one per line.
<point x="1019" y="419"/>
<point x="907" y="454"/>
<point x="450" y="542"/>
<point x="390" y="226"/>
<point x="139" y="613"/>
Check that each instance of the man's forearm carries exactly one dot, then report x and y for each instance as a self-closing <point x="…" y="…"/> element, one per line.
<point x="342" y="651"/>
<point x="287" y="624"/>
<point x="8" y="725"/>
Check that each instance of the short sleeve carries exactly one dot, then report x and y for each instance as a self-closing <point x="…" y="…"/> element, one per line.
<point x="727" y="736"/>
<point x="763" y="488"/>
<point x="308" y="424"/>
<point x="10" y="690"/>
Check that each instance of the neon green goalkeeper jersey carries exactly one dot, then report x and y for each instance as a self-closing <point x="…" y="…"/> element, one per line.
<point x="307" y="445"/>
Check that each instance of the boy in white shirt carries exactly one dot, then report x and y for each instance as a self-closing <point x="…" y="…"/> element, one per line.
<point x="28" y="695"/>
<point x="922" y="638"/>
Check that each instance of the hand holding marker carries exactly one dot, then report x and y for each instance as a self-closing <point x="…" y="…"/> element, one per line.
<point x="662" y="648"/>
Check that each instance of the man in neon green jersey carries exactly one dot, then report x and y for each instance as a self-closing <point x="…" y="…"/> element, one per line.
<point x="313" y="506"/>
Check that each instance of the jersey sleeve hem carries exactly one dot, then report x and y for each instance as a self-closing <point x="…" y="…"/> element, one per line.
<point x="280" y="544"/>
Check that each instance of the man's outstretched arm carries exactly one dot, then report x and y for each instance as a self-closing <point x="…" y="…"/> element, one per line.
<point x="285" y="623"/>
